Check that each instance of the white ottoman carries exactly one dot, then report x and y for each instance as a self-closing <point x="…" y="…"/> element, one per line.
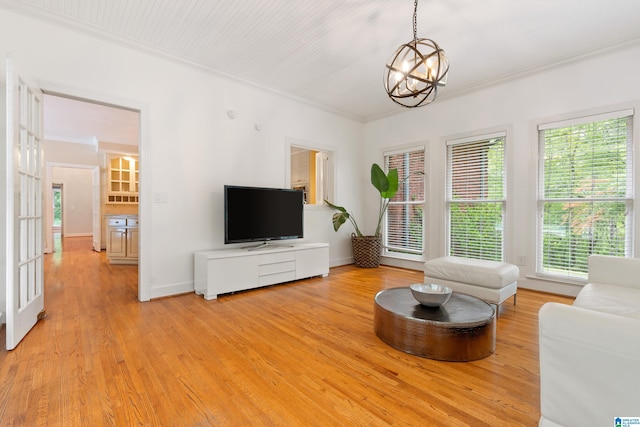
<point x="490" y="281"/>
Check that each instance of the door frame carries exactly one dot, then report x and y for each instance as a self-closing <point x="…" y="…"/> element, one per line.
<point x="144" y="158"/>
<point x="48" y="199"/>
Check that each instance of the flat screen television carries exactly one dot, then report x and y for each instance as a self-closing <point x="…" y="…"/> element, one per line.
<point x="257" y="214"/>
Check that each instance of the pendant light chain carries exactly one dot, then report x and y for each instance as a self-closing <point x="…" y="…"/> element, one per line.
<point x="415" y="20"/>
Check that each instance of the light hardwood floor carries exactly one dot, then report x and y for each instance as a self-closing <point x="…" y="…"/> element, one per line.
<point x="297" y="354"/>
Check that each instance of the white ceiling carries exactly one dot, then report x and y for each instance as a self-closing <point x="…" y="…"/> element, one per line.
<point x="82" y="122"/>
<point x="331" y="53"/>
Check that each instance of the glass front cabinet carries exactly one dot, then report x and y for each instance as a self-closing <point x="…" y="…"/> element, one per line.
<point x="123" y="180"/>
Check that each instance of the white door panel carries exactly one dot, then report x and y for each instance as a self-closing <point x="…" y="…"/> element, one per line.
<point x="23" y="220"/>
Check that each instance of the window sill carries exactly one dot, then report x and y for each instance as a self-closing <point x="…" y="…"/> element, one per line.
<point x="552" y="279"/>
<point x="406" y="257"/>
<point x="415" y="262"/>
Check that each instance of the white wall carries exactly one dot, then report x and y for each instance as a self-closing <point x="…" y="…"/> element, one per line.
<point x="58" y="153"/>
<point x="70" y="153"/>
<point x="603" y="83"/>
<point x="76" y="200"/>
<point x="3" y="205"/>
<point x="189" y="147"/>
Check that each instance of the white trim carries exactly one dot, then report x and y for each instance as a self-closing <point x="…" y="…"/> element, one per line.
<point x="395" y="259"/>
<point x="477" y="138"/>
<point x="408" y="149"/>
<point x="315" y="146"/>
<point x="503" y="133"/>
<point x="409" y="264"/>
<point x="144" y="156"/>
<point x="405" y="149"/>
<point x="88" y="140"/>
<point x="588" y="118"/>
<point x="170" y="289"/>
<point x="48" y="203"/>
<point x="567" y="120"/>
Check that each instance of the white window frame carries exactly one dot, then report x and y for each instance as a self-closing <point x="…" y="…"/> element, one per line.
<point x="476" y="138"/>
<point x="629" y="199"/>
<point x="394" y="252"/>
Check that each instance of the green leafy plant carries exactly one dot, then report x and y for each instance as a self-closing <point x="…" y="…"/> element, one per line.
<point x="387" y="186"/>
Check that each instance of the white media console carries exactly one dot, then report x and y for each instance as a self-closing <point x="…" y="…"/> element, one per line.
<point x="229" y="270"/>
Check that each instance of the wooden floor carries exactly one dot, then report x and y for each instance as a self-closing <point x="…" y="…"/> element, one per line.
<point x="302" y="353"/>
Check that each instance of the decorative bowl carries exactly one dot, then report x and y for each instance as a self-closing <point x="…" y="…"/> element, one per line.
<point x="430" y="294"/>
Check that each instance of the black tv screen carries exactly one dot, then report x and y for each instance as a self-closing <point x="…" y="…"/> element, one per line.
<point x="254" y="214"/>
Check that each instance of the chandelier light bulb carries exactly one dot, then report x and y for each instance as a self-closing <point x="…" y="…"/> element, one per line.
<point x="430" y="62"/>
<point x="431" y="67"/>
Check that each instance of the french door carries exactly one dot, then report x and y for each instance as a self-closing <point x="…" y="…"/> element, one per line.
<point x="23" y="222"/>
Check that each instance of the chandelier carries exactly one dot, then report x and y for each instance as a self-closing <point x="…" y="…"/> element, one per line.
<point x="417" y="71"/>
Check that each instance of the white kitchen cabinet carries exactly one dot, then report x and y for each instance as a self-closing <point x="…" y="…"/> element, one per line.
<point x="123" y="180"/>
<point x="122" y="239"/>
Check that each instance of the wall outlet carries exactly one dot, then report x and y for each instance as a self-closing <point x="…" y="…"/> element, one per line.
<point x="522" y="260"/>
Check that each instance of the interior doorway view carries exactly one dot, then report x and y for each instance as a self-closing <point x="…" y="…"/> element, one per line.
<point x="56" y="196"/>
<point x="72" y="201"/>
<point x="81" y="139"/>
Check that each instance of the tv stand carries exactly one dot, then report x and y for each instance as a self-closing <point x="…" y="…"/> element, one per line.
<point x="230" y="270"/>
<point x="265" y="245"/>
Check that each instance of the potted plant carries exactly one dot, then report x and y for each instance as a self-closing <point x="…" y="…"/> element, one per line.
<point x="367" y="248"/>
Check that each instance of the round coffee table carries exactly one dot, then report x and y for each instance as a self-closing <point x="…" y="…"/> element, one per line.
<point x="463" y="329"/>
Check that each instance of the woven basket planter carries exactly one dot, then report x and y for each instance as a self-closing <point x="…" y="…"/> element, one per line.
<point x="366" y="250"/>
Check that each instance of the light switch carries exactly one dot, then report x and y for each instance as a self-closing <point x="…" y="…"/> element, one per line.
<point x="160" y="197"/>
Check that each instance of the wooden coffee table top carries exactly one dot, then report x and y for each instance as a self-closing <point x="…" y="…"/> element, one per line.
<point x="463" y="329"/>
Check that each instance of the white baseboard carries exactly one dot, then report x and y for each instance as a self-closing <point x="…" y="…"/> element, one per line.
<point x="171" y="289"/>
<point x="337" y="262"/>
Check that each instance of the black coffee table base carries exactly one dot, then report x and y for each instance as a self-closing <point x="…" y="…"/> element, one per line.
<point x="463" y="329"/>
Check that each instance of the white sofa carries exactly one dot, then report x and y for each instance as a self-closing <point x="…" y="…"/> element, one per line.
<point x="590" y="351"/>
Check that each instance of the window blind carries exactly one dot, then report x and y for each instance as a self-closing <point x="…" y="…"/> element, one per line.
<point x="585" y="193"/>
<point x="476" y="197"/>
<point x="404" y="217"/>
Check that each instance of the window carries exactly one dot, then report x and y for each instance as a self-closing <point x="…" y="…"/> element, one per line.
<point x="57" y="205"/>
<point x="476" y="196"/>
<point x="312" y="172"/>
<point x="584" y="192"/>
<point x="404" y="217"/>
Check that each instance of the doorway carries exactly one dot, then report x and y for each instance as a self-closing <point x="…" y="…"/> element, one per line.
<point x="56" y="196"/>
<point x="72" y="212"/>
<point x="83" y="133"/>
